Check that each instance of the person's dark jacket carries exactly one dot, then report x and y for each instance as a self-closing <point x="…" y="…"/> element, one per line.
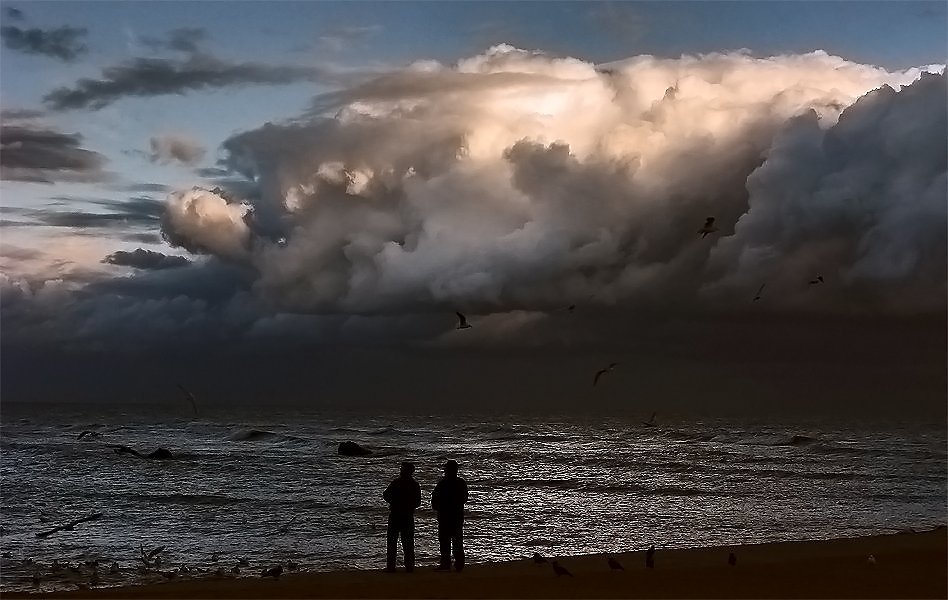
<point x="449" y="497"/>
<point x="403" y="495"/>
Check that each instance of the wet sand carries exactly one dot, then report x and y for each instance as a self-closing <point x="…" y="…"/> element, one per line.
<point x="908" y="565"/>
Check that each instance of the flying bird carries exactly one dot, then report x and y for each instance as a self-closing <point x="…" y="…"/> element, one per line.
<point x="560" y="570"/>
<point x="538" y="558"/>
<point x="571" y="308"/>
<point x="462" y="321"/>
<point x="190" y="398"/>
<point x="651" y="421"/>
<point x="732" y="559"/>
<point x="708" y="227"/>
<point x="818" y="280"/>
<point x="758" y="296"/>
<point x="602" y="372"/>
<point x="286" y="527"/>
<point x="614" y="564"/>
<point x="650" y="557"/>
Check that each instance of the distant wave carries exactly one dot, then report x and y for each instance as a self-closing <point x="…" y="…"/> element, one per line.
<point x="190" y="499"/>
<point x="595" y="487"/>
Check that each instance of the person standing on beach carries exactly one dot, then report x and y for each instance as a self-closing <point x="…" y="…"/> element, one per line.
<point x="448" y="500"/>
<point x="403" y="496"/>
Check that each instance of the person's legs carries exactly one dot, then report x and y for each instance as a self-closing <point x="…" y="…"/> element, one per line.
<point x="408" y="542"/>
<point x="457" y="539"/>
<point x="444" y="541"/>
<point x="391" y="538"/>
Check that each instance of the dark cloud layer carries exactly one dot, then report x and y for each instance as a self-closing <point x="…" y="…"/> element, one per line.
<point x="162" y="76"/>
<point x="64" y="43"/>
<point x="145" y="259"/>
<point x="184" y="39"/>
<point x="44" y="156"/>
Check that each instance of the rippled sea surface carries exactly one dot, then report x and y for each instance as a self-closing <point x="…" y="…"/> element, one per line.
<point x="271" y="488"/>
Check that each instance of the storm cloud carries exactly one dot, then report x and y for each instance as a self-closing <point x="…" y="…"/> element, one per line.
<point x="519" y="181"/>
<point x="32" y="153"/>
<point x="515" y="184"/>
<point x="64" y="43"/>
<point x="142" y="77"/>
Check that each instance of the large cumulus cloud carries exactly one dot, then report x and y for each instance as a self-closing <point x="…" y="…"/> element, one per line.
<point x="518" y="181"/>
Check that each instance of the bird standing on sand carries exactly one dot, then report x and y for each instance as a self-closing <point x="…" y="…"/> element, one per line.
<point x="650" y="557"/>
<point x="602" y="372"/>
<point x="817" y="281"/>
<point x="708" y="227"/>
<point x="560" y="570"/>
<point x="462" y="322"/>
<point x="538" y="558"/>
<point x="614" y="564"/>
<point x="759" y="291"/>
<point x="732" y="559"/>
<point x="274" y="572"/>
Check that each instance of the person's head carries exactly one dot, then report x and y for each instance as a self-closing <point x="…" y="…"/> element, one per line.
<point x="408" y="468"/>
<point x="451" y="468"/>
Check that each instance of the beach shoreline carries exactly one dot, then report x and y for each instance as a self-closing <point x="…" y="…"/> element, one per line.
<point x="907" y="565"/>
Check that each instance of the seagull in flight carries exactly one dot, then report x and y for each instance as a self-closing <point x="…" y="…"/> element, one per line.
<point x="759" y="291"/>
<point x="462" y="321"/>
<point x="190" y="397"/>
<point x="708" y="227"/>
<point x="602" y="372"/>
<point x="817" y="281"/>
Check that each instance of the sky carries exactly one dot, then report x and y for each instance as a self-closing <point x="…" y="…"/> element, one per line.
<point x="288" y="202"/>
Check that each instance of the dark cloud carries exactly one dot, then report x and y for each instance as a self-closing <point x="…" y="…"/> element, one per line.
<point x="184" y="39"/>
<point x="64" y="43"/>
<point x="14" y="14"/>
<point x="211" y="172"/>
<point x="145" y="259"/>
<point x="145" y="187"/>
<point x="45" y="156"/>
<point x="133" y="212"/>
<point x="20" y="114"/>
<point x="142" y="77"/>
<point x="177" y="147"/>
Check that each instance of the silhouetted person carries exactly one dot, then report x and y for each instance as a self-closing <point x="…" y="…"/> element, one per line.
<point x="650" y="557"/>
<point x="448" y="500"/>
<point x="403" y="496"/>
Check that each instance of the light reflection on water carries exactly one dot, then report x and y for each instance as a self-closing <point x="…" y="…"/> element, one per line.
<point x="565" y="487"/>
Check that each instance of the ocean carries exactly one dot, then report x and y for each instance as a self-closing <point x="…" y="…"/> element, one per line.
<point x="266" y="486"/>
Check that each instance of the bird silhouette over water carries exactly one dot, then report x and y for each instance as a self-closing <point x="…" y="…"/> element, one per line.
<point x="614" y="564"/>
<point x="708" y="227"/>
<point x="559" y="570"/>
<point x="538" y="558"/>
<point x="650" y="557"/>
<point x="602" y="372"/>
<point x="732" y="559"/>
<point x="759" y="291"/>
<point x="462" y="321"/>
<point x="817" y="281"/>
<point x="571" y="308"/>
<point x="190" y="398"/>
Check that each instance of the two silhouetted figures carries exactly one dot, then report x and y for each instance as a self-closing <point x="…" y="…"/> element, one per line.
<point x="403" y="496"/>
<point x="448" y="501"/>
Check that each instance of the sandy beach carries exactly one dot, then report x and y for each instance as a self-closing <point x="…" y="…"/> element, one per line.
<point x="908" y="565"/>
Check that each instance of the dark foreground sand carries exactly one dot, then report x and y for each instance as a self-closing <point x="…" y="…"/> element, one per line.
<point x="909" y="565"/>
